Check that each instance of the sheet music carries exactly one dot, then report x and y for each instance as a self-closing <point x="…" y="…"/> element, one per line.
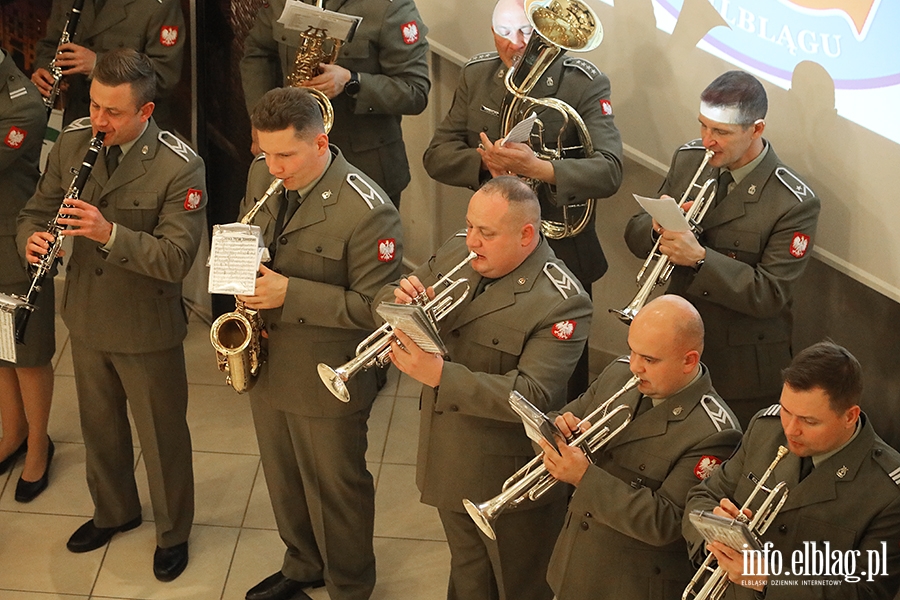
<point x="522" y="131"/>
<point x="411" y="320"/>
<point x="300" y="16"/>
<point x="234" y="259"/>
<point x="8" y="307"/>
<point x="666" y="212"/>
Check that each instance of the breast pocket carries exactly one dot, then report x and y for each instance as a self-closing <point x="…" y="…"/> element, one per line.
<point x="114" y="40"/>
<point x="138" y="211"/>
<point x="316" y="257"/>
<point x="742" y="245"/>
<point x="500" y="344"/>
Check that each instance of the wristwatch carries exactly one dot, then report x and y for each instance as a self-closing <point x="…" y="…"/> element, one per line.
<point x="351" y="88"/>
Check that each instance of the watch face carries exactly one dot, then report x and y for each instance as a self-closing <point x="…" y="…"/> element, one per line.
<point x="352" y="87"/>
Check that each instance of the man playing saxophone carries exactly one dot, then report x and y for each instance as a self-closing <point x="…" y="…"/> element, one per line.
<point x="843" y="496"/>
<point x="622" y="536"/>
<point x="755" y="243"/>
<point x="466" y="150"/>
<point x="522" y="327"/>
<point x="335" y="239"/>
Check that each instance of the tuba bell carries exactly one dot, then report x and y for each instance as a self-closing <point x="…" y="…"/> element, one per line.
<point x="235" y="335"/>
<point x="558" y="25"/>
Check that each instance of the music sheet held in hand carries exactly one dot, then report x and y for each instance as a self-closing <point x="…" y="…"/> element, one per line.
<point x="522" y="131"/>
<point x="300" y="16"/>
<point x="8" y="308"/>
<point x="234" y="258"/>
<point x="666" y="212"/>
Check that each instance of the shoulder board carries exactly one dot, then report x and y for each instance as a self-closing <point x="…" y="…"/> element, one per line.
<point x="460" y="233"/>
<point x="772" y="411"/>
<point x="585" y="66"/>
<point x="694" y="145"/>
<point x="176" y="145"/>
<point x="260" y="156"/>
<point x="717" y="413"/>
<point x="567" y="286"/>
<point x="368" y="193"/>
<point x="794" y="183"/>
<point x="623" y="359"/>
<point x="482" y="57"/>
<point x="888" y="461"/>
<point x="83" y="123"/>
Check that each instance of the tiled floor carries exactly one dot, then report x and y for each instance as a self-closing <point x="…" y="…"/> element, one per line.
<point x="234" y="543"/>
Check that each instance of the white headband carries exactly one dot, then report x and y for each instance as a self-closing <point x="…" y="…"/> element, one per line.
<point x="729" y="115"/>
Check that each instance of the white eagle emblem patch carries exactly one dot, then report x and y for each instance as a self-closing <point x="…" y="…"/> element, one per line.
<point x="705" y="466"/>
<point x="410" y="33"/>
<point x="606" y="107"/>
<point x="386" y="250"/>
<point x="192" y="200"/>
<point x="168" y="35"/>
<point x="799" y="245"/>
<point x="15" y="137"/>
<point x="563" y="330"/>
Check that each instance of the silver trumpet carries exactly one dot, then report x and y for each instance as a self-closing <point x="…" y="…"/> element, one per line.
<point x="662" y="267"/>
<point x="533" y="480"/>
<point x="375" y="350"/>
<point x="718" y="581"/>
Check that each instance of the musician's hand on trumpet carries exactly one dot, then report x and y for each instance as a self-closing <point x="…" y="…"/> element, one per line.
<point x="422" y="366"/>
<point x="411" y="289"/>
<point x="566" y="463"/>
<point x="681" y="247"/>
<point x="271" y="290"/>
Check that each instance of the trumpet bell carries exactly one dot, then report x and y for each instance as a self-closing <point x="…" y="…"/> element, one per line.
<point x="335" y="381"/>
<point x="477" y="512"/>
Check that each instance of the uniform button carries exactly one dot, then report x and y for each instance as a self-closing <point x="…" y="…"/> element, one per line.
<point x="318" y="248"/>
<point x="761" y="336"/>
<point x="642" y="467"/>
<point x="99" y="271"/>
<point x="495" y="341"/>
<point x="484" y="128"/>
<point x="136" y="202"/>
<point x="585" y="526"/>
<point x="878" y="452"/>
<point x="455" y="333"/>
<point x="123" y="260"/>
<point x="737" y="243"/>
<point x="159" y="292"/>
<point x="782" y="529"/>
<point x="300" y="321"/>
<point x="282" y="240"/>
<point x="104" y="204"/>
<point x="68" y="268"/>
<point x="656" y="570"/>
<point x="706" y="293"/>
<point x="454" y="408"/>
<point x="371" y="109"/>
<point x="273" y="326"/>
<point x="283" y="38"/>
<point x="587" y="515"/>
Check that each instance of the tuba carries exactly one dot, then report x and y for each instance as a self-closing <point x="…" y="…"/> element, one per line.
<point x="235" y="335"/>
<point x="375" y="350"/>
<point x="718" y="581"/>
<point x="558" y="25"/>
<point x="533" y="480"/>
<point x="663" y="267"/>
<point x="311" y="52"/>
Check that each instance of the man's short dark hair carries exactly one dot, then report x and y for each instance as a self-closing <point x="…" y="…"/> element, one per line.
<point x="126" y="65"/>
<point x="281" y="108"/>
<point x="737" y="88"/>
<point x="830" y="368"/>
<point x="519" y="194"/>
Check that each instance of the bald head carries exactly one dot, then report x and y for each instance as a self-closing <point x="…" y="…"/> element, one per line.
<point x="676" y="318"/>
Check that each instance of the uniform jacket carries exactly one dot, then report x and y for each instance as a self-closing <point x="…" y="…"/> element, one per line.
<point x="342" y="245"/>
<point x="156" y="197"/>
<point x="390" y="54"/>
<point x="452" y="158"/>
<point x="524" y="332"/>
<point x="850" y="501"/>
<point x="155" y="28"/>
<point x="758" y="241"/>
<point x="23" y="120"/>
<point x="630" y="503"/>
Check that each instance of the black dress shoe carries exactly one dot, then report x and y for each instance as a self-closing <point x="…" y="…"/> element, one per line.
<point x="90" y="537"/>
<point x="169" y="563"/>
<point x="279" y="587"/>
<point x="26" y="491"/>
<point x="7" y="463"/>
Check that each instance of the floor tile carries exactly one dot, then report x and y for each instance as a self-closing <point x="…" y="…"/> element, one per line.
<point x="220" y="420"/>
<point x="12" y="595"/>
<point x="402" y="439"/>
<point x="259" y="553"/>
<point x="67" y="493"/>
<point x="398" y="512"/>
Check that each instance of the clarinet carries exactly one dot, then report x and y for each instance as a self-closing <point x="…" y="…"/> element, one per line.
<point x="44" y="266"/>
<point x="67" y="36"/>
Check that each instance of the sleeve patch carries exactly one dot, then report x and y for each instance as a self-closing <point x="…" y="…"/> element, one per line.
<point x="566" y="286"/>
<point x="386" y="249"/>
<point x="364" y="189"/>
<point x="564" y="330"/>
<point x="192" y="199"/>
<point x="717" y="413"/>
<point x="799" y="244"/>
<point x="15" y="137"/>
<point x="82" y="123"/>
<point x="176" y="145"/>
<point x="606" y="107"/>
<point x="410" y="32"/>
<point x="706" y="466"/>
<point x="794" y="183"/>
<point x="582" y="65"/>
<point x="168" y="35"/>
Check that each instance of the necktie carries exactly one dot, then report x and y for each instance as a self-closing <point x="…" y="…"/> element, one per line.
<point x="806" y="467"/>
<point x="725" y="179"/>
<point x="290" y="202"/>
<point x="643" y="405"/>
<point x="482" y="285"/>
<point x="98" y="5"/>
<point x="112" y="159"/>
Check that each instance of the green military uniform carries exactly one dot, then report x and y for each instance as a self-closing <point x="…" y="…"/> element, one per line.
<point x="124" y="314"/>
<point x="340" y="247"/>
<point x="850" y="500"/>
<point x="23" y="120"/>
<point x="622" y="534"/>
<point x="390" y="54"/>
<point x="758" y="240"/>
<point x="154" y="27"/>
<point x="525" y="332"/>
<point x="452" y="157"/>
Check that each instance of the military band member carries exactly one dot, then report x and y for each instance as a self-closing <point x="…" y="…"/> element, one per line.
<point x="155" y="28"/>
<point x="629" y="500"/>
<point x="136" y="230"/>
<point x="843" y="489"/>
<point x="379" y="75"/>
<point x="755" y="243"/>
<point x="26" y="387"/>
<point x="336" y="241"/>
<point x="522" y="327"/>
<point x="465" y="151"/>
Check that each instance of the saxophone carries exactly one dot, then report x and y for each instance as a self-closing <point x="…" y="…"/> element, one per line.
<point x="235" y="335"/>
<point x="310" y="54"/>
